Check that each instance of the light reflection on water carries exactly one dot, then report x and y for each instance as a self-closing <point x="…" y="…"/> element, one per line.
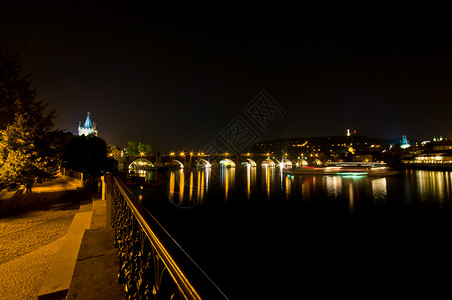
<point x="375" y="240"/>
<point x="333" y="186"/>
<point x="379" y="189"/>
<point x="250" y="183"/>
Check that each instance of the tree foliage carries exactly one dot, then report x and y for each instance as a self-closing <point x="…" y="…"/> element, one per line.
<point x="28" y="143"/>
<point x="16" y="93"/>
<point x="88" y="154"/>
<point x="138" y="149"/>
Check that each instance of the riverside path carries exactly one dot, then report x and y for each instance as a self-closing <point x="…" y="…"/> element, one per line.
<point x="32" y="231"/>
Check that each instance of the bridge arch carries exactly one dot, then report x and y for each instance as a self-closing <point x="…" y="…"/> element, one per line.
<point x="286" y="163"/>
<point x="203" y="163"/>
<point x="140" y="164"/>
<point x="251" y="162"/>
<point x="302" y="163"/>
<point x="227" y="163"/>
<point x="174" y="163"/>
<point x="268" y="163"/>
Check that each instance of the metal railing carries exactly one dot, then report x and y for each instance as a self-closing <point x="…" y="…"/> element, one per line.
<point x="150" y="259"/>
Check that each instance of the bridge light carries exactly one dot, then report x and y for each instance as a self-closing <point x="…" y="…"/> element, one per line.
<point x="182" y="154"/>
<point x="172" y="153"/>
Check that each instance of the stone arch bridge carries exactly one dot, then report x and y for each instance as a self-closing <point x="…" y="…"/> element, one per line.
<point x="191" y="160"/>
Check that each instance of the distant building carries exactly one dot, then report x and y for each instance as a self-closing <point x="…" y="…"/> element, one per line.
<point x="88" y="128"/>
<point x="115" y="152"/>
<point x="404" y="143"/>
<point x="442" y="145"/>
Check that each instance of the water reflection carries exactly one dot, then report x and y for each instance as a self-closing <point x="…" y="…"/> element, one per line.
<point x="251" y="183"/>
<point x="351" y="198"/>
<point x="333" y="186"/>
<point x="250" y="180"/>
<point x="268" y="178"/>
<point x="227" y="178"/>
<point x="188" y="188"/>
<point x="307" y="187"/>
<point x="379" y="189"/>
<point x="432" y="184"/>
<point x="288" y="186"/>
<point x="181" y="185"/>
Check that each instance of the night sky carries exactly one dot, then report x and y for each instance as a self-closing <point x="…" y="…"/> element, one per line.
<point x="175" y="75"/>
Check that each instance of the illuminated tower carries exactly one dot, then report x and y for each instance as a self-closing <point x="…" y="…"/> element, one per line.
<point x="348" y="132"/>
<point x="88" y="128"/>
<point x="404" y="144"/>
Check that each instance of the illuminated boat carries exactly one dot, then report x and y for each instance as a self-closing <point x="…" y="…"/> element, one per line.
<point x="347" y="169"/>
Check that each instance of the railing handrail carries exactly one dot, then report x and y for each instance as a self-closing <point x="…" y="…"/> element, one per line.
<point x="144" y="219"/>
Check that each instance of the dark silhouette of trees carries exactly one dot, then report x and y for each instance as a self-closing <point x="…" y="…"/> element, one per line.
<point x="88" y="154"/>
<point x="28" y="143"/>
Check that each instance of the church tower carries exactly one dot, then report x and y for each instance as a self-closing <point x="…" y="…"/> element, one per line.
<point x="88" y="128"/>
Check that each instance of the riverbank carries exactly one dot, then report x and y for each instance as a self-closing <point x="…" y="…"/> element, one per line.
<point x="427" y="166"/>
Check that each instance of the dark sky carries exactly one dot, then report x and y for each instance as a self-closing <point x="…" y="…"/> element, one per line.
<point x="175" y="75"/>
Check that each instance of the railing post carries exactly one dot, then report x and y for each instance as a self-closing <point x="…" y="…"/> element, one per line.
<point x="104" y="189"/>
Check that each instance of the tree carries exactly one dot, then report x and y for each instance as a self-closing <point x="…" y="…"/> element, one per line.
<point x="28" y="143"/>
<point x="132" y="149"/>
<point x="88" y="154"/>
<point x="28" y="153"/>
<point x="137" y="148"/>
<point x="147" y="149"/>
<point x="393" y="157"/>
<point x="15" y="92"/>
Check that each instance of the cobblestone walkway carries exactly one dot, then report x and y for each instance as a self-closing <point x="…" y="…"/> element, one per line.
<point x="30" y="240"/>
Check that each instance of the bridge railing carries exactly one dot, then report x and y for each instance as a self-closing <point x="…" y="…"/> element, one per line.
<point x="152" y="264"/>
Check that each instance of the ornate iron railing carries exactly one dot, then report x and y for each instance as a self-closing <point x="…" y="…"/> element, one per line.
<point x="148" y="255"/>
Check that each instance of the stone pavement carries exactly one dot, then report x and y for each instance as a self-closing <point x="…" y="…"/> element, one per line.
<point x="95" y="274"/>
<point x="46" y="249"/>
<point x="32" y="231"/>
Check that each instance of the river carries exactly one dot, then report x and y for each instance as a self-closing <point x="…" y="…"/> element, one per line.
<point x="260" y="233"/>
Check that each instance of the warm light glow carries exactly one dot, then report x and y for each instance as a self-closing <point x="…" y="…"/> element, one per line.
<point x="181" y="186"/>
<point x="190" y="196"/>
<point x="227" y="163"/>
<point x="202" y="185"/>
<point x="248" y="183"/>
<point x="199" y="184"/>
<point x="171" y="186"/>
<point x="379" y="189"/>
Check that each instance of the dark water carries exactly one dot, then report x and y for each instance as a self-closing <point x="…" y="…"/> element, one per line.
<point x="261" y="234"/>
